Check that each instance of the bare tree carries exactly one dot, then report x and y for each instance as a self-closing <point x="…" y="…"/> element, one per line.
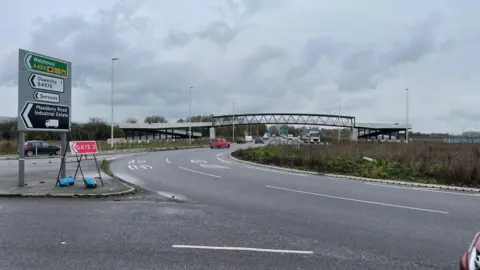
<point x="155" y="119"/>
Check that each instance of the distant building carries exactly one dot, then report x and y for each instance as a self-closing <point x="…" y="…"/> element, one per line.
<point x="462" y="140"/>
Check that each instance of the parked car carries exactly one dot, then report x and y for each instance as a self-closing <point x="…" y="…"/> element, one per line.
<point x="32" y="148"/>
<point x="471" y="258"/>
<point x="219" y="143"/>
<point x="258" y="140"/>
<point x="241" y="140"/>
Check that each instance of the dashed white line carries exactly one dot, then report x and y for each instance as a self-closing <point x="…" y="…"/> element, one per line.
<point x="425" y="189"/>
<point x="218" y="158"/>
<point x="275" y="171"/>
<point x="168" y="161"/>
<point x="245" y="249"/>
<point x="360" y="201"/>
<point x="212" y="175"/>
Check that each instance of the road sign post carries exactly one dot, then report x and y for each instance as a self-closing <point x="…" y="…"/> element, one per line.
<point x="44" y="99"/>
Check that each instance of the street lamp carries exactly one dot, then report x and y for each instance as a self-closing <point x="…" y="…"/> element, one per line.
<point x="406" y="115"/>
<point x="338" y="122"/>
<point x="233" y="121"/>
<point x="190" y="119"/>
<point x="111" y="130"/>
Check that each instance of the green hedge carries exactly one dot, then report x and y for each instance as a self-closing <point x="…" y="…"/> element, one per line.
<point x="436" y="163"/>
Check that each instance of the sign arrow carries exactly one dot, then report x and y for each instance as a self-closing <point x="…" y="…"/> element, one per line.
<point x="44" y="116"/>
<point x="27" y="61"/>
<point x="48" y="97"/>
<point x="25" y="117"/>
<point x="44" y="82"/>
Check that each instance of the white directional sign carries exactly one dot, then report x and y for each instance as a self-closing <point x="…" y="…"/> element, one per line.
<point x="48" y="97"/>
<point x="44" y="82"/>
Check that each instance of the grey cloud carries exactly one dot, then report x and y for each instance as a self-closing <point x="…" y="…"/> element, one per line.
<point x="177" y="39"/>
<point x="364" y="70"/>
<point x="314" y="51"/>
<point x="264" y="54"/>
<point x="220" y="33"/>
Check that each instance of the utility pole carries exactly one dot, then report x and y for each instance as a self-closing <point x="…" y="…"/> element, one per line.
<point x="338" y="122"/>
<point x="233" y="121"/>
<point x="406" y="115"/>
<point x="113" y="77"/>
<point x="190" y="119"/>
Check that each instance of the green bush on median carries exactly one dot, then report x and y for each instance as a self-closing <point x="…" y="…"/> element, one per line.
<point x="436" y="163"/>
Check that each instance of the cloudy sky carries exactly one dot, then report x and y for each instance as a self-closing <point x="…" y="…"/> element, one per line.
<point x="266" y="55"/>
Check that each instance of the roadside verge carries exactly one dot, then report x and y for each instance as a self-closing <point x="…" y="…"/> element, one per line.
<point x="43" y="185"/>
<point x="365" y="179"/>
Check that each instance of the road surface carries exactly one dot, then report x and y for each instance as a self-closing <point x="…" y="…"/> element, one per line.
<point x="344" y="224"/>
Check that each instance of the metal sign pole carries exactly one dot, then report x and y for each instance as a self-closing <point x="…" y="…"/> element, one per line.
<point x="64" y="148"/>
<point x="21" y="159"/>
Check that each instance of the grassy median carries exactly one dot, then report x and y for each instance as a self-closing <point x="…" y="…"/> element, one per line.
<point x="435" y="163"/>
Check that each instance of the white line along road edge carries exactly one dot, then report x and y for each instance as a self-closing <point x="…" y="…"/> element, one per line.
<point x="218" y="158"/>
<point x="278" y="171"/>
<point x="245" y="249"/>
<point x="361" y="201"/>
<point x="212" y="175"/>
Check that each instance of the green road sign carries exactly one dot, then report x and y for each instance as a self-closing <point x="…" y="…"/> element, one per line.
<point x="46" y="65"/>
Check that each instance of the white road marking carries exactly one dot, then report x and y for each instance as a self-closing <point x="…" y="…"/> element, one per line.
<point x="138" y="167"/>
<point x="168" y="161"/>
<point x="198" y="161"/>
<point x="360" y="201"/>
<point x="212" y="175"/>
<point x="214" y="166"/>
<point x="275" y="171"/>
<point x="425" y="189"/>
<point x="218" y="158"/>
<point x="245" y="249"/>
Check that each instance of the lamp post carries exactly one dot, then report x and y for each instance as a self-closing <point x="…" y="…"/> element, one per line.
<point x="111" y="128"/>
<point x="190" y="119"/>
<point x="406" y="115"/>
<point x="233" y="121"/>
<point x="338" y="122"/>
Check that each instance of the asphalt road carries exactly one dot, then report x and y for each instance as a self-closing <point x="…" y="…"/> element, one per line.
<point x="346" y="224"/>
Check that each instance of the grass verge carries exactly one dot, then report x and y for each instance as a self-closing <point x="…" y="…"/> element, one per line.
<point x="429" y="163"/>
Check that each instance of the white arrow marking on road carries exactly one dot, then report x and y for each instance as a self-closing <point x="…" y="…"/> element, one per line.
<point x="214" y="166"/>
<point x="26" y="119"/>
<point x="198" y="161"/>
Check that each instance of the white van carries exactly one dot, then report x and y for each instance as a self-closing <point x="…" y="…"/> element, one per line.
<point x="248" y="138"/>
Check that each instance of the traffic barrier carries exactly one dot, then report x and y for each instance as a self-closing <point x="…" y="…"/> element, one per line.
<point x="67" y="181"/>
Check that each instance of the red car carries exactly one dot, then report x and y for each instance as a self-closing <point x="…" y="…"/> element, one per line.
<point x="219" y="143"/>
<point x="471" y="259"/>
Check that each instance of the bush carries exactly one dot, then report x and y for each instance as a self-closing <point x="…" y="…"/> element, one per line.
<point x="448" y="164"/>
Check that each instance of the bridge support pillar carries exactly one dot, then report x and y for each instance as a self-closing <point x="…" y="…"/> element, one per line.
<point x="212" y="132"/>
<point x="354" y="134"/>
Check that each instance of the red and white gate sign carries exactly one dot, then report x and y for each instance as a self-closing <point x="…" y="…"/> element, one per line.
<point x="83" y="147"/>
